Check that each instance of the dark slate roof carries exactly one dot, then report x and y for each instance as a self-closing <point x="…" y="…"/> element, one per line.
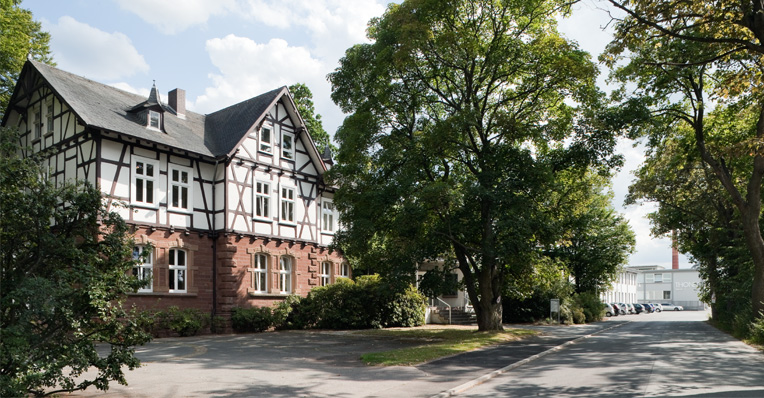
<point x="224" y="129"/>
<point x="105" y="107"/>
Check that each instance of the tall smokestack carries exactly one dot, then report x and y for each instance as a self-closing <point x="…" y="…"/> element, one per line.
<point x="674" y="252"/>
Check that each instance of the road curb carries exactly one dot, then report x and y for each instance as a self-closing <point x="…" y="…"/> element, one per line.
<point x="482" y="379"/>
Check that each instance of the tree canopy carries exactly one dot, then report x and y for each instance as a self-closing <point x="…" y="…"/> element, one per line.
<point x="303" y="98"/>
<point x="461" y="113"/>
<point x="64" y="270"/>
<point x="696" y="64"/>
<point x="20" y="36"/>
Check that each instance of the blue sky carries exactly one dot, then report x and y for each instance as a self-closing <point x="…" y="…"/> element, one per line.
<point x="225" y="51"/>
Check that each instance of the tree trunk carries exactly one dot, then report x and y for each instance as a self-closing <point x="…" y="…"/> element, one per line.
<point x="756" y="247"/>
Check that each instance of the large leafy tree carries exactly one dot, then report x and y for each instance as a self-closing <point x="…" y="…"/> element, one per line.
<point x="20" y="37"/>
<point x="64" y="270"/>
<point x="595" y="241"/>
<point x="458" y="114"/>
<point x="688" y="60"/>
<point x="303" y="98"/>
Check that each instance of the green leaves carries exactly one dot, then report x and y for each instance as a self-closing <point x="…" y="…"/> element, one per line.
<point x="64" y="272"/>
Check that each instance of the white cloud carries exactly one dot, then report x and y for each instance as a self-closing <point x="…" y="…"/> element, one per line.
<point x="130" y="89"/>
<point x="84" y="50"/>
<point x="173" y="16"/>
<point x="248" y="69"/>
<point x="333" y="25"/>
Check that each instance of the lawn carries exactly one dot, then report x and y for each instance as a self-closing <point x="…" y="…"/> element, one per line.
<point x="437" y="342"/>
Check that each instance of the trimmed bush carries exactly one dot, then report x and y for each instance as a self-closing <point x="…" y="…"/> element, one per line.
<point x="255" y="319"/>
<point x="369" y="302"/>
<point x="185" y="322"/>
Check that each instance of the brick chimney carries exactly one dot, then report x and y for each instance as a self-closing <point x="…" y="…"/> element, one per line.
<point x="177" y="101"/>
<point x="674" y="252"/>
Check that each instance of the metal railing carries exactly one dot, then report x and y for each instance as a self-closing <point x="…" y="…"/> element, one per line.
<point x="449" y="308"/>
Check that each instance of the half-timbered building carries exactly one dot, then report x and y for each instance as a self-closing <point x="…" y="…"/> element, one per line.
<point x="233" y="202"/>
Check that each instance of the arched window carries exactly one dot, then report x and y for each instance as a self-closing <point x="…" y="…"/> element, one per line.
<point x="144" y="269"/>
<point x="285" y="275"/>
<point x="326" y="269"/>
<point x="178" y="270"/>
<point x="260" y="274"/>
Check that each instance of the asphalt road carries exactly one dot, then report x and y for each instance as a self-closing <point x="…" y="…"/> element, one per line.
<point x="641" y="355"/>
<point x="674" y="354"/>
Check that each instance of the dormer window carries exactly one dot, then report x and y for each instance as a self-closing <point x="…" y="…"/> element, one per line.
<point x="155" y="120"/>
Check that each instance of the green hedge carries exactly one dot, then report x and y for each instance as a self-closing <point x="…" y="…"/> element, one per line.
<point x="369" y="302"/>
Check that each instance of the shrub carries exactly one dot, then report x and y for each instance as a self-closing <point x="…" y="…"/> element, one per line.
<point x="591" y="305"/>
<point x="185" y="322"/>
<point x="369" y="302"/>
<point x="255" y="319"/>
<point x="286" y="313"/>
<point x="757" y="330"/>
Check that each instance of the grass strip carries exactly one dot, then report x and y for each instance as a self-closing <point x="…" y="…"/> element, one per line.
<point x="436" y="343"/>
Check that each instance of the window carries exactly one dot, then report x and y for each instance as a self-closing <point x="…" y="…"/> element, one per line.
<point x="345" y="270"/>
<point x="144" y="181"/>
<point x="327" y="210"/>
<point x="658" y="278"/>
<point x="266" y="137"/>
<point x="667" y="295"/>
<point x="287" y="204"/>
<point x="180" y="188"/>
<point x="326" y="269"/>
<point x="155" y="119"/>
<point x="262" y="199"/>
<point x="49" y="117"/>
<point x="287" y="146"/>
<point x="649" y="278"/>
<point x="37" y="124"/>
<point x="260" y="274"/>
<point x="285" y="275"/>
<point x="452" y="285"/>
<point x="178" y="268"/>
<point x="144" y="268"/>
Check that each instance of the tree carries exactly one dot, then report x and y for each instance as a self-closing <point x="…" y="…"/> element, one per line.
<point x="596" y="241"/>
<point x="686" y="58"/>
<point x="20" y="36"/>
<point x="64" y="270"/>
<point x="303" y="98"/>
<point x="459" y="117"/>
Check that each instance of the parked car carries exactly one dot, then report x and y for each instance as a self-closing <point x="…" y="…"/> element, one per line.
<point x="638" y="308"/>
<point x="672" y="307"/>
<point x="609" y="310"/>
<point x="658" y="307"/>
<point x="620" y="308"/>
<point x="626" y="309"/>
<point x="648" y="308"/>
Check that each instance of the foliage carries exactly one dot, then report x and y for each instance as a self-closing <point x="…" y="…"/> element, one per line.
<point x="286" y="314"/>
<point x="534" y="306"/>
<point x="699" y="76"/>
<point x="757" y="330"/>
<point x="64" y="276"/>
<point x="20" y="36"/>
<point x="461" y="113"/>
<point x="438" y="281"/>
<point x="590" y="305"/>
<point x="255" y="319"/>
<point x="185" y="322"/>
<point x="303" y="98"/>
<point x="369" y="302"/>
<point x="595" y="241"/>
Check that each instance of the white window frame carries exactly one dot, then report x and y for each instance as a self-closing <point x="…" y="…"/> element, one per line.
<point x="145" y="269"/>
<point x="260" y="274"/>
<point x="658" y="278"/>
<point x="287" y="153"/>
<point x="37" y="125"/>
<point x="177" y="272"/>
<point x="287" y="205"/>
<point x="344" y="270"/>
<point x="262" y="144"/>
<point x="326" y="273"/>
<point x="149" y="119"/>
<point x="154" y="179"/>
<point x="328" y="216"/>
<point x="188" y="185"/>
<point x="262" y="199"/>
<point x="286" y="264"/>
<point x="49" y="116"/>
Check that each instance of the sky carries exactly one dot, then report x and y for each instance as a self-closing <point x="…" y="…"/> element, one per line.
<point x="225" y="51"/>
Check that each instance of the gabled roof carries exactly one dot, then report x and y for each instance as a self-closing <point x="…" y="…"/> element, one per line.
<point x="108" y="108"/>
